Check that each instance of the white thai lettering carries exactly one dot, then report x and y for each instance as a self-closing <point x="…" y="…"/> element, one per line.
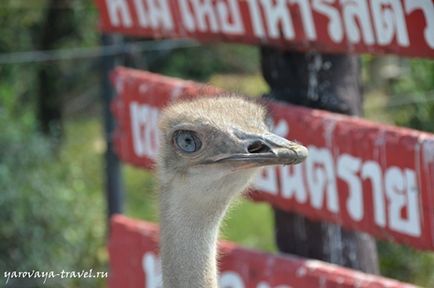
<point x="255" y="13"/>
<point x="321" y="179"/>
<point x="119" y="13"/>
<point x="144" y="130"/>
<point x="292" y="182"/>
<point x="187" y="15"/>
<point x="267" y="181"/>
<point x="160" y="15"/>
<point x="371" y="170"/>
<point x="229" y="279"/>
<point x="152" y="268"/>
<point x="230" y="17"/>
<point x="402" y="193"/>
<point x="156" y="15"/>
<point x="389" y="22"/>
<point x="278" y="19"/>
<point x="136" y="123"/>
<point x="203" y="11"/>
<point x="307" y="18"/>
<point x="348" y="167"/>
<point x="142" y="15"/>
<point x="357" y="12"/>
<point x="335" y="24"/>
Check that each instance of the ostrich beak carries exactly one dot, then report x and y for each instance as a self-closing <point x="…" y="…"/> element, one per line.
<point x="264" y="150"/>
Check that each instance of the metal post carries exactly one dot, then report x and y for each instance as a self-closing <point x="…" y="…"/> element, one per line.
<point x="328" y="82"/>
<point x="112" y="168"/>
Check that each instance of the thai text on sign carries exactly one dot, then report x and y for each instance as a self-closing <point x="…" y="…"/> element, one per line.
<point x="404" y="27"/>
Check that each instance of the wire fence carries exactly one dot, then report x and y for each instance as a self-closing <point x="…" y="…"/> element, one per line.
<point x="38" y="56"/>
<point x="41" y="56"/>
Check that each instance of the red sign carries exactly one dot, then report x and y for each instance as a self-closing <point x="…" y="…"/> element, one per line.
<point x="365" y="176"/>
<point x="134" y="262"/>
<point x="404" y="27"/>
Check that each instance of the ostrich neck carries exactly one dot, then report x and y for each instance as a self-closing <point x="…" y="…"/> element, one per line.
<point x="189" y="232"/>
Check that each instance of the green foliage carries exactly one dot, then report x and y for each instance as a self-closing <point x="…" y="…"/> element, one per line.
<point x="250" y="85"/>
<point x="413" y="101"/>
<point x="208" y="60"/>
<point x="140" y="194"/>
<point x="19" y="21"/>
<point x="251" y="225"/>
<point x="17" y="81"/>
<point x="47" y="220"/>
<point x="406" y="264"/>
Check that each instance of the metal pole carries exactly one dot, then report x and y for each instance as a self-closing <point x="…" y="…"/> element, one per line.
<point x="112" y="167"/>
<point x="328" y="82"/>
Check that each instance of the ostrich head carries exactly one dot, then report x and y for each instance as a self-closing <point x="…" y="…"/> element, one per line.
<point x="219" y="141"/>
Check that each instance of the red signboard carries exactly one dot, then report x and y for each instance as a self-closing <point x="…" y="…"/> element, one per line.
<point x="134" y="262"/>
<point x="404" y="27"/>
<point x="365" y="176"/>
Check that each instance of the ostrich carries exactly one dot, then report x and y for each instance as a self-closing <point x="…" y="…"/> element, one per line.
<point x="211" y="148"/>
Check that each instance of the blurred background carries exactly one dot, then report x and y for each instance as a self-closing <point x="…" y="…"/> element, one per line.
<point x="52" y="204"/>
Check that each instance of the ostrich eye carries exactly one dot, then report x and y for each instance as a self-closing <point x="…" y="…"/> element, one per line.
<point x="187" y="141"/>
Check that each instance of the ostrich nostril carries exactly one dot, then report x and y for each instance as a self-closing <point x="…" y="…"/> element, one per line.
<point x="258" y="147"/>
